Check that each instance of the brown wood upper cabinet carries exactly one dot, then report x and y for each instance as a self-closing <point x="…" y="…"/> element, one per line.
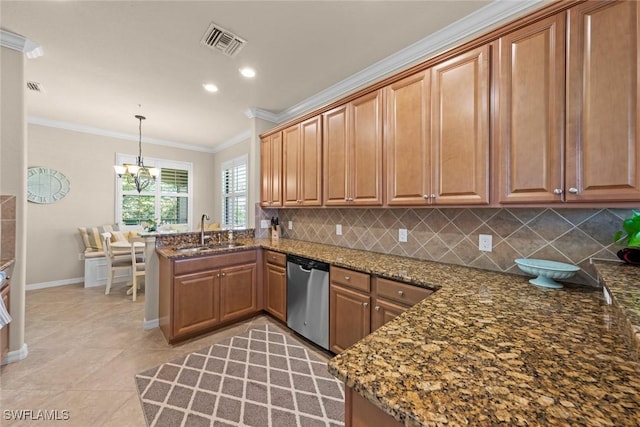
<point x="603" y="115"/>
<point x="530" y="119"/>
<point x="352" y="141"/>
<point x="271" y="170"/>
<point x="597" y="158"/>
<point x="437" y="134"/>
<point x="302" y="159"/>
<point x="460" y="129"/>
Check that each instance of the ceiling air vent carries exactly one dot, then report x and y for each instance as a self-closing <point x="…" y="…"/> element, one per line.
<point x="35" y="87"/>
<point x="220" y="39"/>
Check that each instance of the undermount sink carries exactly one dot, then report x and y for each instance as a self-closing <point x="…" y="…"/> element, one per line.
<point x="225" y="245"/>
<point x="194" y="249"/>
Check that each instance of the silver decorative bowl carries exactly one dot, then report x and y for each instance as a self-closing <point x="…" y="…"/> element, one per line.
<point x="546" y="271"/>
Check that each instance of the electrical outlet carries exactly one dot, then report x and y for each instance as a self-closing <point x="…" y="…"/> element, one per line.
<point x="485" y="242"/>
<point x="339" y="229"/>
<point x="402" y="234"/>
<point x="263" y="223"/>
<point x="290" y="225"/>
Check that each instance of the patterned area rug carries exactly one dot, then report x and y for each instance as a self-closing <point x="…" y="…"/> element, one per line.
<point x="260" y="378"/>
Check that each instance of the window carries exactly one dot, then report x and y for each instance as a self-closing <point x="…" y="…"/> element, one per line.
<point x="234" y="193"/>
<point x="167" y="200"/>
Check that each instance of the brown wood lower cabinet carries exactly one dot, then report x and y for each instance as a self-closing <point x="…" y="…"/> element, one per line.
<point x="4" y="332"/>
<point x="275" y="284"/>
<point x="200" y="293"/>
<point x="359" y="412"/>
<point x="352" y="316"/>
<point x="238" y="292"/>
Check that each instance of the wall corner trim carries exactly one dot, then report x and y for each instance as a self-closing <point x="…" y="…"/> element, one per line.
<point x="16" y="355"/>
<point x="150" y="324"/>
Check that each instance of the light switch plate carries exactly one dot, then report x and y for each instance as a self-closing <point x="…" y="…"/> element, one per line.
<point x="263" y="223"/>
<point x="402" y="234"/>
<point x="485" y="242"/>
<point x="290" y="225"/>
<point x="339" y="229"/>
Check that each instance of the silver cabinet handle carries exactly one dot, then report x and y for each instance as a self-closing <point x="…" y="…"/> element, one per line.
<point x="401" y="293"/>
<point x="557" y="191"/>
<point x="573" y="190"/>
<point x="365" y="304"/>
<point x="377" y="308"/>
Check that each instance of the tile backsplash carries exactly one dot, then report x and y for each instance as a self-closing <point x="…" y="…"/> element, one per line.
<point x="451" y="235"/>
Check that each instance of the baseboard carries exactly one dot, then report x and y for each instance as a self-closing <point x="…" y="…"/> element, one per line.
<point x="54" y="283"/>
<point x="16" y="355"/>
<point x="150" y="324"/>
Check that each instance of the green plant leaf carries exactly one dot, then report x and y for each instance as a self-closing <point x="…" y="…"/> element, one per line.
<point x="617" y="236"/>
<point x="634" y="240"/>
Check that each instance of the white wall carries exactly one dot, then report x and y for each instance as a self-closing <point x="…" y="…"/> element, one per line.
<point x="53" y="241"/>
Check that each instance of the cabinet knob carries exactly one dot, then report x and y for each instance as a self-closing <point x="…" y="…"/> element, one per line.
<point x="557" y="191"/>
<point x="401" y="293"/>
<point x="218" y="275"/>
<point x="350" y="199"/>
<point x="224" y="274"/>
<point x="365" y="304"/>
<point x="425" y="196"/>
<point x="573" y="190"/>
<point x="377" y="308"/>
<point x="433" y="196"/>
<point x="347" y="278"/>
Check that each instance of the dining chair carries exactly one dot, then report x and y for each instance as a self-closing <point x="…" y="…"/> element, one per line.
<point x="137" y="264"/>
<point x="116" y="261"/>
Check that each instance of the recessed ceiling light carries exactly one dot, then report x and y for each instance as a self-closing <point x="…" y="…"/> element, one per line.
<point x="248" y="72"/>
<point x="210" y="87"/>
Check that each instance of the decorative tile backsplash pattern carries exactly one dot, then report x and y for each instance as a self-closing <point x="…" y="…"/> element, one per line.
<point x="451" y="235"/>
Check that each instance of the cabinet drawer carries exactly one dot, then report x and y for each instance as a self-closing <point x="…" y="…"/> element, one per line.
<point x="276" y="258"/>
<point x="400" y="292"/>
<point x="350" y="278"/>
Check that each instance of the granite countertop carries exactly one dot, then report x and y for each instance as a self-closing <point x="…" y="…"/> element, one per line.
<point x="622" y="282"/>
<point x="487" y="348"/>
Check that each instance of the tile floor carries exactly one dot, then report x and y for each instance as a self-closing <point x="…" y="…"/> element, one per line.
<point x="84" y="350"/>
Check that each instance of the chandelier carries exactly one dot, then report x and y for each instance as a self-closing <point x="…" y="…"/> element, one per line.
<point x="142" y="175"/>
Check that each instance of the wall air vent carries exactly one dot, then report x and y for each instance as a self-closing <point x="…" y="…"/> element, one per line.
<point x="35" y="87"/>
<point x="220" y="39"/>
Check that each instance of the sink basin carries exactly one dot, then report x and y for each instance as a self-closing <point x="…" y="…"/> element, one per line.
<point x="195" y="249"/>
<point x="225" y="245"/>
<point x="192" y="249"/>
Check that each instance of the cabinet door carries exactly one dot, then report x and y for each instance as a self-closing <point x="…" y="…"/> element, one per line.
<point x="195" y="302"/>
<point x="603" y="152"/>
<point x="460" y="129"/>
<point x="407" y="140"/>
<point x="334" y="143"/>
<point x="383" y="312"/>
<point x="530" y="119"/>
<point x="365" y="157"/>
<point x="271" y="170"/>
<point x="291" y="165"/>
<point x="310" y="185"/>
<point x="276" y="291"/>
<point x="349" y="318"/>
<point x="238" y="291"/>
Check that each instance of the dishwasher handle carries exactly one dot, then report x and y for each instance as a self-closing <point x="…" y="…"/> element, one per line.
<point x="304" y="269"/>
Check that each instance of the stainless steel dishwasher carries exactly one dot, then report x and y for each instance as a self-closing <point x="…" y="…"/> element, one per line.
<point x="308" y="299"/>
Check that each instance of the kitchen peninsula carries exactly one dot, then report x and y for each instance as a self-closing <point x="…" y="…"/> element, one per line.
<point x="485" y="348"/>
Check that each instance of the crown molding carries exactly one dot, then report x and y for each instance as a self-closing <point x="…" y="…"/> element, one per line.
<point x="479" y="21"/>
<point x="20" y="43"/>
<point x="244" y="136"/>
<point x="259" y="113"/>
<point x="112" y="134"/>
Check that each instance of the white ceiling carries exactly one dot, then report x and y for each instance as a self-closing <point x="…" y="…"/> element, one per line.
<point x="102" y="59"/>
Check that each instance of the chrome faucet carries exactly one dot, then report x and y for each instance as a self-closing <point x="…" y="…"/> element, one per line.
<point x="204" y="216"/>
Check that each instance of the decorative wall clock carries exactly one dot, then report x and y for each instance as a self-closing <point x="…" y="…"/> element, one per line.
<point x="46" y="185"/>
